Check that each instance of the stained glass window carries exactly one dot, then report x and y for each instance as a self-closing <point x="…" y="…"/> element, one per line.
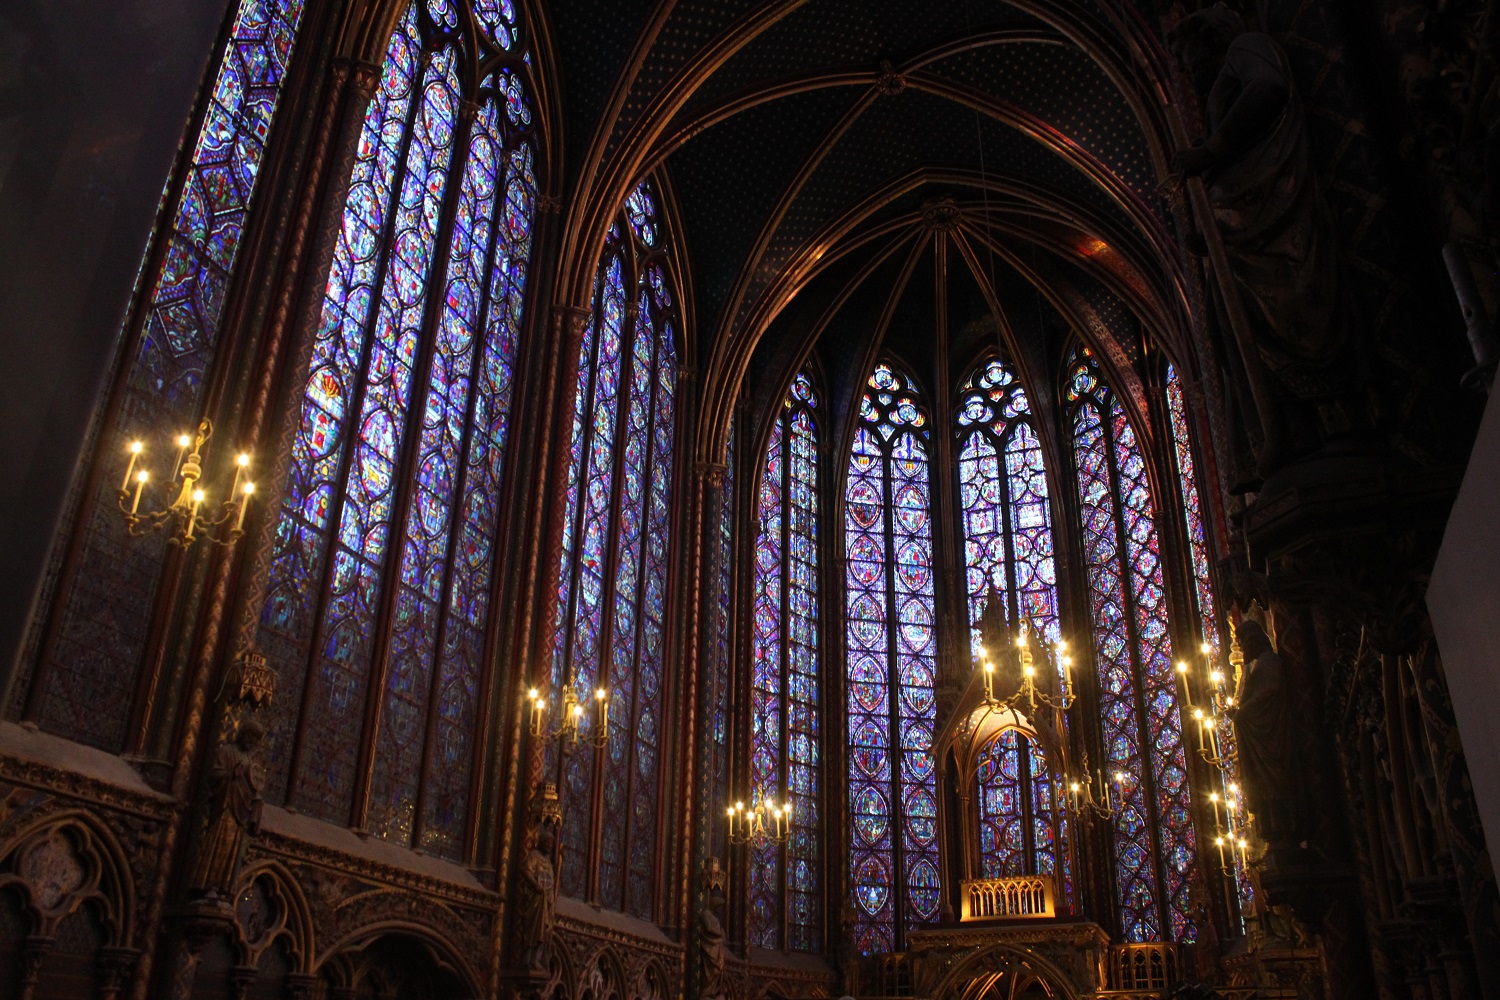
<point x="1018" y="808"/>
<point x="1153" y="837"/>
<point x="1208" y="614"/>
<point x="892" y="666"/>
<point x="1008" y="549"/>
<point x="612" y="596"/>
<point x="378" y="601"/>
<point x="784" y="725"/>
<point x="105" y="607"/>
<point x="723" y="635"/>
<point x="1006" y="510"/>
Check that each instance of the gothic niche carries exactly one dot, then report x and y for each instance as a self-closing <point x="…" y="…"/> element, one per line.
<point x="1003" y="757"/>
<point x="64" y="923"/>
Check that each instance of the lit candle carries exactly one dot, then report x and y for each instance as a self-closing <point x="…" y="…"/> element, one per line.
<point x="183" y="441"/>
<point x="241" y="463"/>
<point x="534" y="696"/>
<point x="239" y="522"/>
<point x="1244" y="858"/>
<point x="1220" y="842"/>
<point x="1187" y="690"/>
<point x="1214" y="798"/>
<point x="602" y="696"/>
<point x="140" y="483"/>
<point x="1198" y="714"/>
<point x="989" y="681"/>
<point x="135" y="453"/>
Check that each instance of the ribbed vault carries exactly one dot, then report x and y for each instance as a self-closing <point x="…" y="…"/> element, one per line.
<point x="824" y="154"/>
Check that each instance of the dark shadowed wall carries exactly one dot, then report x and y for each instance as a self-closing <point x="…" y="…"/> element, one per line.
<point x="94" y="97"/>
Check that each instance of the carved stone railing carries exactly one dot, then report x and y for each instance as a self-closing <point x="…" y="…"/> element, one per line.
<point x="1022" y="896"/>
<point x="1150" y="966"/>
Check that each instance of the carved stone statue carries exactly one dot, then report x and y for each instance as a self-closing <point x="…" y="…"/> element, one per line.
<point x="536" y="912"/>
<point x="1271" y="729"/>
<point x="1257" y="166"/>
<point x="711" y="984"/>
<point x="234" y="808"/>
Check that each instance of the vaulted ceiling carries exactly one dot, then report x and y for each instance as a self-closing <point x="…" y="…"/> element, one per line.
<point x="846" y="171"/>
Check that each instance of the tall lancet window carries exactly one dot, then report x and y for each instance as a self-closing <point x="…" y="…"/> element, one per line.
<point x="1153" y="838"/>
<point x="784" y="725"/>
<point x="1003" y="489"/>
<point x="87" y="666"/>
<point x="378" y="612"/>
<point x="612" y="599"/>
<point x="892" y="667"/>
<point x="1008" y="550"/>
<point x="721" y="675"/>
<point x="1203" y="589"/>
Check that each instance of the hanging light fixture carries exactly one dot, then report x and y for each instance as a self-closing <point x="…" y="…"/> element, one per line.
<point x="192" y="514"/>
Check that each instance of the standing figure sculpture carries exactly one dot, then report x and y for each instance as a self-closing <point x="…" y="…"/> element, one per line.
<point x="711" y="984"/>
<point x="1257" y="165"/>
<point x="234" y="808"/>
<point x="536" y="912"/>
<point x="1270" y="729"/>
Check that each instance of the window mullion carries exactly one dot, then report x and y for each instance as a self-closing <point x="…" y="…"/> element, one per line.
<point x="405" y="476"/>
<point x="455" y="525"/>
<point x="605" y="643"/>
<point x="641" y="570"/>
<point x="1132" y="627"/>
<point x="349" y="432"/>
<point x="784" y="684"/>
<point x="893" y="698"/>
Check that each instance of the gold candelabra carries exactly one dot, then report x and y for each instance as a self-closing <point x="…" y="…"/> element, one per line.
<point x="191" y="512"/>
<point x="763" y="823"/>
<point x="1081" y="801"/>
<point x="1214" y="719"/>
<point x="1027" y="661"/>
<point x="569" y="731"/>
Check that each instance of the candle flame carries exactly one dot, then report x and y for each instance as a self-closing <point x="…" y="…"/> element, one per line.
<point x="142" y="476"/>
<point x="135" y="447"/>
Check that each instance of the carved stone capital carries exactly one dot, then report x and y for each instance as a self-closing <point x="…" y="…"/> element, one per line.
<point x="713" y="473"/>
<point x="362" y="77"/>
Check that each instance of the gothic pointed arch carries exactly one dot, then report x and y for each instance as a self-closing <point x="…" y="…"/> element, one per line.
<point x="891" y="649"/>
<point x="378" y="612"/>
<point x="1153" y="840"/>
<point x="614" y="580"/>
<point x="786" y="672"/>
